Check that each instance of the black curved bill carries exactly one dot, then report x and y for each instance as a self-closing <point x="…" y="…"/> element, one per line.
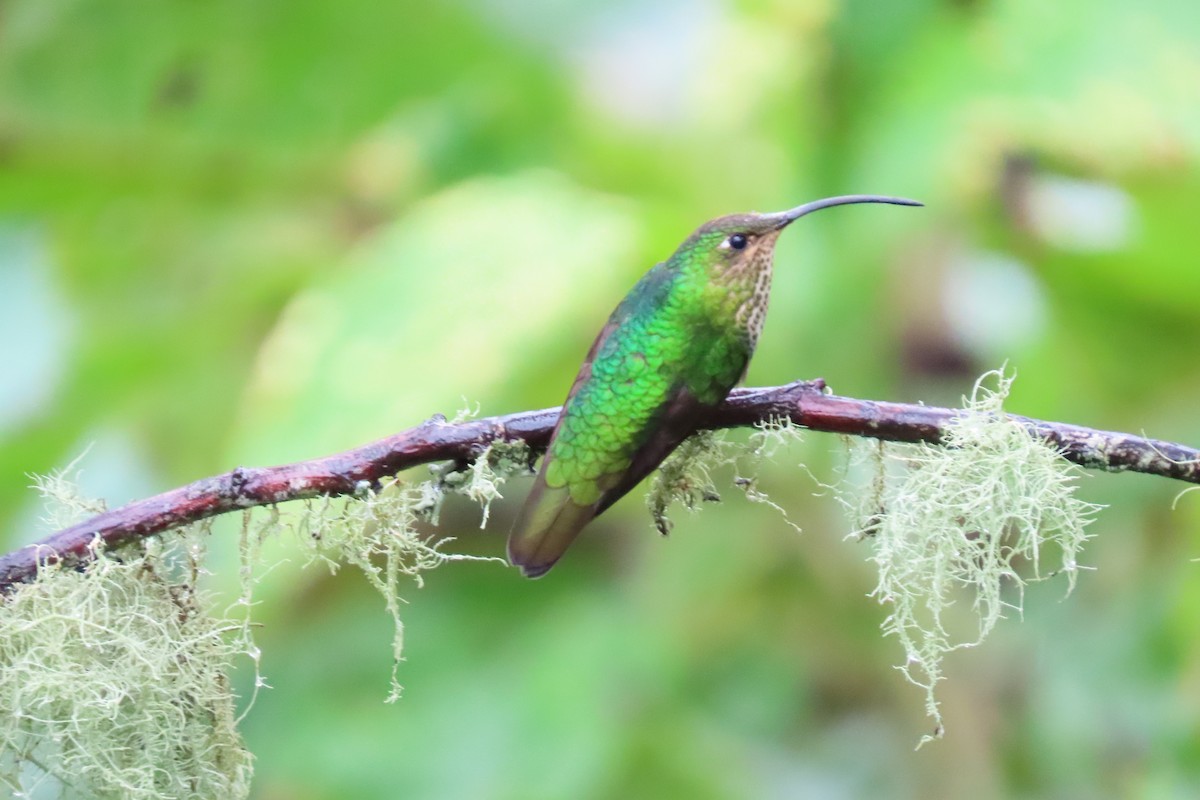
<point x="790" y="216"/>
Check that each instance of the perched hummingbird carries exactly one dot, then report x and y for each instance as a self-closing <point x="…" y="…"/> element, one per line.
<point x="669" y="354"/>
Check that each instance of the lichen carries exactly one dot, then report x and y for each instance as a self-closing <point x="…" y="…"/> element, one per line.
<point x="480" y="481"/>
<point x="964" y="515"/>
<point x="114" y="674"/>
<point x="686" y="476"/>
<point x="63" y="504"/>
<point x="113" y="682"/>
<point x="379" y="531"/>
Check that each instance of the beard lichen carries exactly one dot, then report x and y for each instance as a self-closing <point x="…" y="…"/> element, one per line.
<point x="114" y="675"/>
<point x="964" y="515"/>
<point x="686" y="475"/>
<point x="379" y="529"/>
<point x="480" y="481"/>
<point x="113" y="682"/>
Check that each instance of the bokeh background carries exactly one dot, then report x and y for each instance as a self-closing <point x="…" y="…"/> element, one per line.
<point x="252" y="232"/>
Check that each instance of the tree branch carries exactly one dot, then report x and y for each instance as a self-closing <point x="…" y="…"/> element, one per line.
<point x="804" y="403"/>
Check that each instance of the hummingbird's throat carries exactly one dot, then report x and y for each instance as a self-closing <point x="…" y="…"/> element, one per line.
<point x="746" y="288"/>
<point x="752" y="312"/>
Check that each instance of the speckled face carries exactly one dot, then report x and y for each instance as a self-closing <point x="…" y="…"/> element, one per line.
<point x="752" y="313"/>
<point x="747" y="276"/>
<point x="743" y="247"/>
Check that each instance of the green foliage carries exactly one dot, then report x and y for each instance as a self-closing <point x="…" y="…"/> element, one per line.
<point x="239" y="233"/>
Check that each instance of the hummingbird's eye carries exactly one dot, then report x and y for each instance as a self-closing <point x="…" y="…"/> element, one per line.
<point x="737" y="241"/>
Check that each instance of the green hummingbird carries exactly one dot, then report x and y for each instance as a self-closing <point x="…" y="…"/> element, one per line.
<point x="668" y="355"/>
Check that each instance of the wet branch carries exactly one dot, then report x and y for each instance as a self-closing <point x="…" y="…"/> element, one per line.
<point x="805" y="403"/>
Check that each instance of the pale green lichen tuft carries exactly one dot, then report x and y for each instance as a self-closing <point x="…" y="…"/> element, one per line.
<point x="62" y="503"/>
<point x="250" y="543"/>
<point x="765" y="442"/>
<point x="686" y="476"/>
<point x="378" y="532"/>
<point x="113" y="683"/>
<point x="965" y="515"/>
<point x="480" y="481"/>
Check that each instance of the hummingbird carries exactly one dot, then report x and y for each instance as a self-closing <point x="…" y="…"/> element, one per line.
<point x="666" y="358"/>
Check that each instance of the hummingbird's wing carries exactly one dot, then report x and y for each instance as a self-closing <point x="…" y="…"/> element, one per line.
<point x="554" y="514"/>
<point x="551" y="519"/>
<point x="628" y="408"/>
<point x="675" y="420"/>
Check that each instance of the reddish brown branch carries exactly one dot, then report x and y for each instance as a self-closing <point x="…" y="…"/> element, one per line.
<point x="438" y="440"/>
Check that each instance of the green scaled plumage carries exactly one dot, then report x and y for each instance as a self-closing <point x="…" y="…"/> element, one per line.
<point x="668" y="355"/>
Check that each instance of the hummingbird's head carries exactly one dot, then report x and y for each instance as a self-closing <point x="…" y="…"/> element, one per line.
<point x="731" y="244"/>
<point x="739" y="237"/>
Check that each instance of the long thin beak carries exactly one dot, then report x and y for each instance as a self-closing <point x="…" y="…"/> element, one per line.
<point x="788" y="217"/>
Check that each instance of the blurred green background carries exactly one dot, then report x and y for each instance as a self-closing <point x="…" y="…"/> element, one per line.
<point x="252" y="232"/>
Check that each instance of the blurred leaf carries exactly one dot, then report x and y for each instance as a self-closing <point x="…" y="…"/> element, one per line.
<point x="439" y="312"/>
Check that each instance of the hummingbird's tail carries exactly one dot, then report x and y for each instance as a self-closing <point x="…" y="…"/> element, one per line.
<point x="545" y="528"/>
